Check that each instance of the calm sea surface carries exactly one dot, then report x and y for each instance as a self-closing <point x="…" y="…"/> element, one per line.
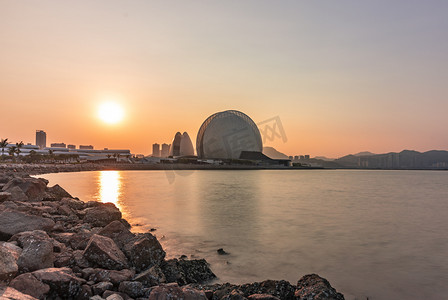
<point x="376" y="234"/>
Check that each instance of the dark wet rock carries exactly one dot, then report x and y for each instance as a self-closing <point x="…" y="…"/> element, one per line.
<point x="221" y="252"/>
<point x="144" y="252"/>
<point x="102" y="251"/>
<point x="28" y="284"/>
<point x="79" y="241"/>
<point x="173" y="291"/>
<point x="117" y="231"/>
<point x="132" y="288"/>
<point x="33" y="188"/>
<point x="62" y="281"/>
<point x="234" y="295"/>
<point x="80" y="260"/>
<point x="58" y="192"/>
<point x="187" y="271"/>
<point x="9" y="293"/>
<point x="8" y="261"/>
<point x="64" y="259"/>
<point x="279" y="288"/>
<point x="98" y="275"/>
<point x="314" y="287"/>
<point x="151" y="277"/>
<point x="101" y="287"/>
<point x="5" y="196"/>
<point x="262" y="297"/>
<point x="37" y="250"/>
<point x="12" y="222"/>
<point x="85" y="292"/>
<point x="66" y="211"/>
<point x="102" y="215"/>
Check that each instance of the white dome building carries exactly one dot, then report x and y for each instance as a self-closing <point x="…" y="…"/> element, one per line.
<point x="181" y="145"/>
<point x="226" y="134"/>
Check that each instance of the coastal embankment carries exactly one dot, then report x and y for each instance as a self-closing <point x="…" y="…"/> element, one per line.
<point x="56" y="246"/>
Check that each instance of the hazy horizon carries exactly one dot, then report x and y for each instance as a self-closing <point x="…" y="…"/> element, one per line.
<point x="344" y="77"/>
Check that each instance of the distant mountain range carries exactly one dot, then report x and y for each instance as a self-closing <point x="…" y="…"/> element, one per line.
<point x="406" y="159"/>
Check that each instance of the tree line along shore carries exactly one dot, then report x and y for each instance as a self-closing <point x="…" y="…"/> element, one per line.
<point x="55" y="246"/>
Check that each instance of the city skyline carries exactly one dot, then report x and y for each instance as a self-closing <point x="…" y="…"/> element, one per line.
<point x="342" y="77"/>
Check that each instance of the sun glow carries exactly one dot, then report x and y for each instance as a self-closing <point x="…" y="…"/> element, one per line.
<point x="110" y="112"/>
<point x="110" y="186"/>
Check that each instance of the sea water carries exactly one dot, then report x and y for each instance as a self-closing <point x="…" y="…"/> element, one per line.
<point x="371" y="233"/>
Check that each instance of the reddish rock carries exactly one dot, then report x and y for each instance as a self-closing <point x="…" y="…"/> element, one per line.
<point x="16" y="194"/>
<point x="187" y="271"/>
<point x="4" y="196"/>
<point x="314" y="287"/>
<point x="9" y="293"/>
<point x="117" y="231"/>
<point x="62" y="281"/>
<point x="8" y="262"/>
<point x="132" y="288"/>
<point x="79" y="241"/>
<point x="100" y="288"/>
<point x="58" y="192"/>
<point x="102" y="215"/>
<point x="33" y="188"/>
<point x="12" y="222"/>
<point x="102" y="251"/>
<point x="98" y="275"/>
<point x="28" y="284"/>
<point x="279" y="288"/>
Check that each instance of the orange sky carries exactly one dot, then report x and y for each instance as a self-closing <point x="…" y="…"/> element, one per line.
<point x="343" y="77"/>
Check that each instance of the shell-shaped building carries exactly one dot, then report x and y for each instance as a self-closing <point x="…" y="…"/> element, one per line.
<point x="224" y="135"/>
<point x="181" y="145"/>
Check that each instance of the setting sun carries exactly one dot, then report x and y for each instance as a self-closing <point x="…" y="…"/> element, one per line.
<point x="110" y="112"/>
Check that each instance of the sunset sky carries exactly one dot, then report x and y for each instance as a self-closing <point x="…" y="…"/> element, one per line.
<point x="343" y="76"/>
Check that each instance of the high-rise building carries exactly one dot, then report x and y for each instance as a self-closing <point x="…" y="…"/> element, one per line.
<point x="58" y="145"/>
<point x="41" y="139"/>
<point x="156" y="150"/>
<point x="165" y="150"/>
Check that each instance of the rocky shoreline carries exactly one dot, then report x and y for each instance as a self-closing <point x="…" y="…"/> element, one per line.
<point x="55" y="246"/>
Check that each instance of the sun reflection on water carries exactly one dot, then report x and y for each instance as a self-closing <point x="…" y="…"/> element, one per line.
<point x="110" y="187"/>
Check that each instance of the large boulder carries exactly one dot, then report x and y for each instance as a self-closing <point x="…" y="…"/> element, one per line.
<point x="8" y="261"/>
<point x="37" y="250"/>
<point x="103" y="252"/>
<point x="79" y="241"/>
<point x="117" y="231"/>
<point x="151" y="277"/>
<point x="174" y="292"/>
<point x="12" y="222"/>
<point x="144" y="252"/>
<point x="62" y="281"/>
<point x="33" y="188"/>
<point x="58" y="192"/>
<point x="9" y="293"/>
<point x="187" y="271"/>
<point x="314" y="287"/>
<point x="134" y="289"/>
<point x="16" y="194"/>
<point x="28" y="284"/>
<point x="102" y="214"/>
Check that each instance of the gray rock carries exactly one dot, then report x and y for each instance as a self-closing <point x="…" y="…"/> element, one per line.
<point x="187" y="271"/>
<point x="314" y="287"/>
<point x="28" y="284"/>
<point x="115" y="296"/>
<point x="102" y="215"/>
<point x="79" y="241"/>
<point x="5" y="196"/>
<point x="102" y="251"/>
<point x="174" y="292"/>
<point x="117" y="231"/>
<point x="151" y="277"/>
<point x="100" y="288"/>
<point x="16" y="194"/>
<point x="74" y="204"/>
<point x="132" y="288"/>
<point x="85" y="293"/>
<point x="37" y="250"/>
<point x="58" y="192"/>
<point x="144" y="252"/>
<point x="279" y="288"/>
<point x="12" y="222"/>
